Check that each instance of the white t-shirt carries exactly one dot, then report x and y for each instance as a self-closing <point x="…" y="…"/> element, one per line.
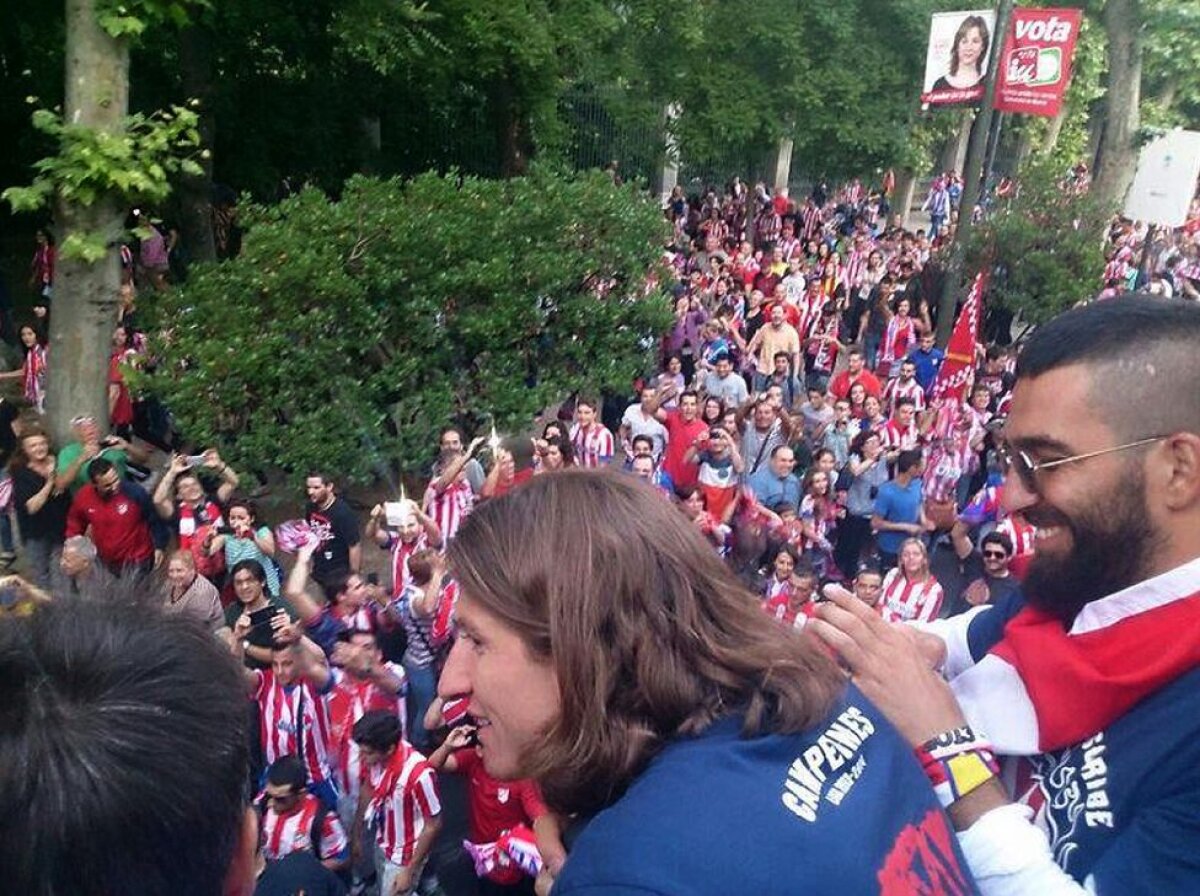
<point x="639" y="424"/>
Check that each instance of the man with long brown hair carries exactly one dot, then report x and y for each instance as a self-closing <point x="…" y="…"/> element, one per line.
<point x="608" y="653"/>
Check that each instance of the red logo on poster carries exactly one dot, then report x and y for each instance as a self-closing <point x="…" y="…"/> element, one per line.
<point x="1035" y="65"/>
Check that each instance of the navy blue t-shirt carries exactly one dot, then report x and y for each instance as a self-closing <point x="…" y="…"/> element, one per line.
<point x="843" y="808"/>
<point x="1123" y="807"/>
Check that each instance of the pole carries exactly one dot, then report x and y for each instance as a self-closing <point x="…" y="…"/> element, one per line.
<point x="989" y="160"/>
<point x="972" y="171"/>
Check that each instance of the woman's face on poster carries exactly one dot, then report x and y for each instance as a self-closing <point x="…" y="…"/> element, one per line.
<point x="970" y="48"/>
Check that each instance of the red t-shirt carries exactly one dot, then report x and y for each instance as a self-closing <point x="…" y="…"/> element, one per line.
<point x="840" y="385"/>
<point x="122" y="412"/>
<point x="495" y="806"/>
<point x="681" y="434"/>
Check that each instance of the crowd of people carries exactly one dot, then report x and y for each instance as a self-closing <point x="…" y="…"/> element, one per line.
<point x="802" y="421"/>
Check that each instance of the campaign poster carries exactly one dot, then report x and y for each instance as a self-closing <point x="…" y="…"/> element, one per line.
<point x="1035" y="67"/>
<point x="956" y="62"/>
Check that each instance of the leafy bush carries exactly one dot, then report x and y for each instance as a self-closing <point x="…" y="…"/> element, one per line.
<point x="1043" y="246"/>
<point x="349" y="332"/>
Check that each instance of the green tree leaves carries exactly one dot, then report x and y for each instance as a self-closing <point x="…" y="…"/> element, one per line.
<point x="348" y="332"/>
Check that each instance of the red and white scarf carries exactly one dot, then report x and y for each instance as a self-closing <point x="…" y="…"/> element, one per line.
<point x="1044" y="688"/>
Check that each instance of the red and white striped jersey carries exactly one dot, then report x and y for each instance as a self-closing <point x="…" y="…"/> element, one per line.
<point x="405" y="799"/>
<point x="401" y="552"/>
<point x="825" y="356"/>
<point x="792" y="248"/>
<point x="284" y="712"/>
<point x="896" y="389"/>
<point x="443" y="616"/>
<point x="284" y="834"/>
<point x="905" y="601"/>
<point x="897" y="438"/>
<point x="898" y="338"/>
<point x="855" y="269"/>
<point x="1116" y="270"/>
<point x="346" y="702"/>
<point x="593" y="446"/>
<point x="810" y="218"/>
<point x="449" y="506"/>
<point x="364" y="619"/>
<point x="779" y="608"/>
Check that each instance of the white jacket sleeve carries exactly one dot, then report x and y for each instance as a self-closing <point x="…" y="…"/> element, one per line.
<point x="953" y="632"/>
<point x="1008" y="856"/>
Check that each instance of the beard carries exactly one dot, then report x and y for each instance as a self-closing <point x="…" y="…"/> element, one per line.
<point x="1111" y="546"/>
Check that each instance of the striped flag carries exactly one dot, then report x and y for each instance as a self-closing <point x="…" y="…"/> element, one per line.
<point x="955" y="375"/>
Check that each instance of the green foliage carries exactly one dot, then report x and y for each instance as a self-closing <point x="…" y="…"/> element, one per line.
<point x="135" y="164"/>
<point x="128" y="19"/>
<point x="349" y="331"/>
<point x="1042" y="246"/>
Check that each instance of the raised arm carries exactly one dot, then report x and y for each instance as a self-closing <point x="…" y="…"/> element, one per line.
<point x="229" y="479"/>
<point x="164" y="492"/>
<point x="296" y="589"/>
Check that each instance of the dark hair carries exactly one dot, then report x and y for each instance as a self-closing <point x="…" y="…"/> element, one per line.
<point x="644" y="439"/>
<point x="907" y="460"/>
<point x="997" y="538"/>
<point x="377" y="730"/>
<point x="565" y="448"/>
<point x="821" y="452"/>
<point x="99" y="466"/>
<point x="346" y="635"/>
<point x="906" y="400"/>
<point x="786" y="548"/>
<point x="784" y="355"/>
<point x="247" y="504"/>
<point x="336" y="584"/>
<point x="288" y="770"/>
<point x="253" y="567"/>
<point x="1150" y="341"/>
<point x="868" y="568"/>
<point x="859" y="441"/>
<point x="649" y="634"/>
<point x="124" y="755"/>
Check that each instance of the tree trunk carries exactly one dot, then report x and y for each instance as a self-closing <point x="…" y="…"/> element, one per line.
<point x="1118" y="153"/>
<point x="195" y="193"/>
<point x="85" y="294"/>
<point x="902" y="196"/>
<point x="954" y="153"/>
<point x="370" y="130"/>
<point x="1054" y="130"/>
<point x="512" y="128"/>
<point x="1022" y="148"/>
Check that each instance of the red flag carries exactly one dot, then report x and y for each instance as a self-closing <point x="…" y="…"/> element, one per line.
<point x="958" y="369"/>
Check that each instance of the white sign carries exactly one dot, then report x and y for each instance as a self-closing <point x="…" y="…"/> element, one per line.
<point x="956" y="62"/>
<point x="1165" y="181"/>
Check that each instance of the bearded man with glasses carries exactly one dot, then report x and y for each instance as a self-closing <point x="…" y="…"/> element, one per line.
<point x="1086" y="683"/>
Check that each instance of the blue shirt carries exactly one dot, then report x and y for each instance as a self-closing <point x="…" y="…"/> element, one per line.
<point x="841" y="808"/>
<point x="1123" y="806"/>
<point x="897" y="504"/>
<point x="771" y="490"/>
<point x="928" y="363"/>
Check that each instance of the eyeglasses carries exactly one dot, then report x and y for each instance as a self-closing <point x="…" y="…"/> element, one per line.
<point x="995" y="555"/>
<point x="1027" y="469"/>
